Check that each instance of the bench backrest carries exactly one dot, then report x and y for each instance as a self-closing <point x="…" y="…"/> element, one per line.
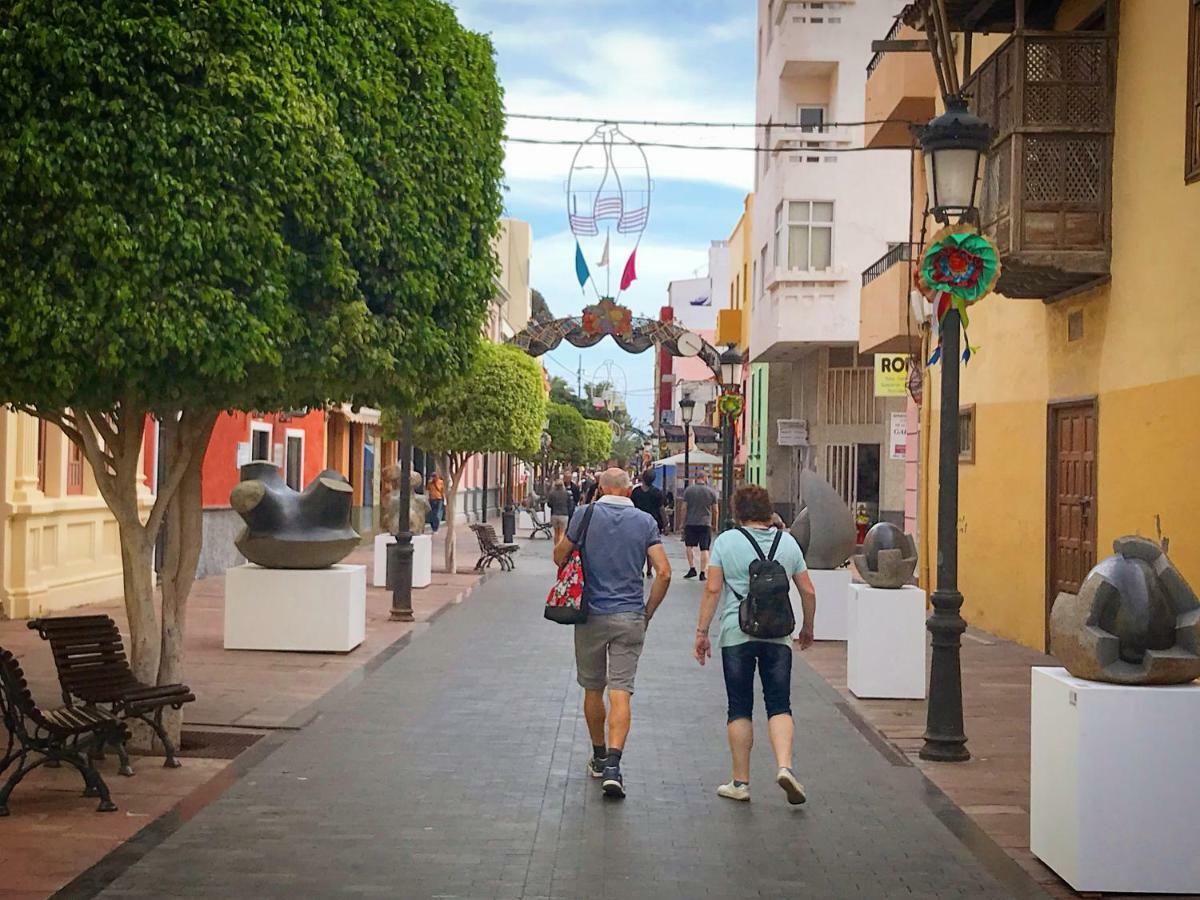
<point x="88" y="655"/>
<point x="16" y="701"/>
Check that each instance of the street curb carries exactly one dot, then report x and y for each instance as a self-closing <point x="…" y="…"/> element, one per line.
<point x="90" y="882"/>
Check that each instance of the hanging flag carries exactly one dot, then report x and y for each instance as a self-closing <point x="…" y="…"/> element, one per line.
<point x="581" y="266"/>
<point x="604" y="256"/>
<point x="630" y="273"/>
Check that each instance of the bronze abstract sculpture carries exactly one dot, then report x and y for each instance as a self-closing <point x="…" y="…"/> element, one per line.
<point x="286" y="529"/>
<point x="1134" y="620"/>
<point x="824" y="529"/>
<point x="888" y="558"/>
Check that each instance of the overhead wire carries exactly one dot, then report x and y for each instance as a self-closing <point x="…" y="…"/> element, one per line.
<point x="685" y="124"/>
<point x="675" y="146"/>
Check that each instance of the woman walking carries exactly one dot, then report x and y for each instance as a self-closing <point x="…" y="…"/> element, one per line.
<point x="560" y="503"/>
<point x="728" y="582"/>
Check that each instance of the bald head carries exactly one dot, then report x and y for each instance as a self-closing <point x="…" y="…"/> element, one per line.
<point x="615" y="481"/>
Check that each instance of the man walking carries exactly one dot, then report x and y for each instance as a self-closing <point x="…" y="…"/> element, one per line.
<point x="649" y="500"/>
<point x="616" y="545"/>
<point x="701" y="502"/>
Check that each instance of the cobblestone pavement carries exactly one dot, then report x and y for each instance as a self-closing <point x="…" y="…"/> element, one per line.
<point x="457" y="769"/>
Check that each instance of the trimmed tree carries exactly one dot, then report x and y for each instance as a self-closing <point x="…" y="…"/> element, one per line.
<point x="498" y="406"/>
<point x="215" y="206"/>
<point x="598" y="441"/>
<point x="568" y="433"/>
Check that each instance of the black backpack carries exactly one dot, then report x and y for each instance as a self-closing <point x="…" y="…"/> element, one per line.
<point x="766" y="610"/>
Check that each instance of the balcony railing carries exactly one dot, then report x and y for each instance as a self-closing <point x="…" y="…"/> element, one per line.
<point x="1047" y="187"/>
<point x="890" y="36"/>
<point x="899" y="253"/>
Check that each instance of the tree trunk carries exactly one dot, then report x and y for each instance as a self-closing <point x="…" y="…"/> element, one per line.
<point x="137" y="567"/>
<point x="455" y="465"/>
<point x="185" y="525"/>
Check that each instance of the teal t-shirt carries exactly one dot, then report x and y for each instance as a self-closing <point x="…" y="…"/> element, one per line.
<point x="732" y="554"/>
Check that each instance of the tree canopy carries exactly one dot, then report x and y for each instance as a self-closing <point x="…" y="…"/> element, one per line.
<point x="567" y="433"/>
<point x="598" y="442"/>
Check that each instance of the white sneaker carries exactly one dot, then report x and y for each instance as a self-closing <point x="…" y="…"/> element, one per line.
<point x="791" y="785"/>
<point x="733" y="791"/>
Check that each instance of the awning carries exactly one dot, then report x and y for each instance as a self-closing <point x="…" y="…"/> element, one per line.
<point x="694" y="458"/>
<point x="365" y="415"/>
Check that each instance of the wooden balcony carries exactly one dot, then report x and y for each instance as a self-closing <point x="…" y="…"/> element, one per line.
<point x="1047" y="188"/>
<point x="885" y="322"/>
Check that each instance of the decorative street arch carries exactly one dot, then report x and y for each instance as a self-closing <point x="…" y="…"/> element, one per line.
<point x="633" y="334"/>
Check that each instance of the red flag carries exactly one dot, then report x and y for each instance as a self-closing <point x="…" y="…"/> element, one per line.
<point x="630" y="273"/>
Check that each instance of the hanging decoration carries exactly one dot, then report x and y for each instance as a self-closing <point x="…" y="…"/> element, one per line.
<point x="959" y="268"/>
<point x="730" y="404"/>
<point x="607" y="317"/>
<point x="608" y="205"/>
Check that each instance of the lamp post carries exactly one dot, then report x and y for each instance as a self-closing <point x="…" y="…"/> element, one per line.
<point x="400" y="554"/>
<point x="730" y="406"/>
<point x="954" y="145"/>
<point x="546" y="442"/>
<point x="687" y="409"/>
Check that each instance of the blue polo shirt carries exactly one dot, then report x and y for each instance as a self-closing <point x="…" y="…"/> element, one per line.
<point x="614" y="554"/>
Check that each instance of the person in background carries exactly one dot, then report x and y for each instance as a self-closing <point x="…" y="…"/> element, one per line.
<point x="587" y="487"/>
<point x="618" y="541"/>
<point x="649" y="500"/>
<point x="560" y="503"/>
<point x="701" y="502"/>
<point x="573" y="489"/>
<point x="728" y="582"/>
<point x="435" y="489"/>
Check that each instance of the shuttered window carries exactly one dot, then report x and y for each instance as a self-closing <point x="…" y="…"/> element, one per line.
<point x="1193" y="94"/>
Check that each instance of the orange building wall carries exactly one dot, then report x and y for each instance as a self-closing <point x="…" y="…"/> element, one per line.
<point x="220" y="462"/>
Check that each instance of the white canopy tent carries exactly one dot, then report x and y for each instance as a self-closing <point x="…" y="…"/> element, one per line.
<point x="694" y="458"/>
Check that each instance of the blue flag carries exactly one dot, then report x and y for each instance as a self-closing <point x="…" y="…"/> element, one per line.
<point x="581" y="266"/>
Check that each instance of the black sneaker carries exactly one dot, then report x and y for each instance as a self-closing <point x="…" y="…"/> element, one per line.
<point x="613" y="784"/>
<point x="703" y="576"/>
<point x="596" y="766"/>
<point x="691" y="573"/>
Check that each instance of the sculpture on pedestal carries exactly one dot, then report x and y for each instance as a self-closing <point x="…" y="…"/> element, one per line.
<point x="286" y="529"/>
<point x="419" y="506"/>
<point x="1134" y="621"/>
<point x="888" y="558"/>
<point x="824" y="529"/>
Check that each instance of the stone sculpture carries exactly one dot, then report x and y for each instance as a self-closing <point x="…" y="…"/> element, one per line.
<point x="418" y="504"/>
<point x="286" y="529"/>
<point x="825" y="526"/>
<point x="1134" y="620"/>
<point x="888" y="558"/>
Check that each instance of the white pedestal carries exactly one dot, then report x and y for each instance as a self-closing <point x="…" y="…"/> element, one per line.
<point x="1114" y="800"/>
<point x="295" y="609"/>
<point x="422" y="560"/>
<point x="885" y="646"/>
<point x="833" y="592"/>
<point x="524" y="521"/>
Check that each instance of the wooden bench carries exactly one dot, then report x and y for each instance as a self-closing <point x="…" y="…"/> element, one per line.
<point x="54" y="735"/>
<point x="491" y="548"/>
<point x="93" y="670"/>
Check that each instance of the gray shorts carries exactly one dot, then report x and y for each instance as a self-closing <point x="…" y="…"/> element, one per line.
<point x="559" y="521"/>
<point x="607" y="648"/>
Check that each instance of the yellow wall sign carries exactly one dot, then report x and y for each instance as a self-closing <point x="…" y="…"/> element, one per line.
<point x="891" y="374"/>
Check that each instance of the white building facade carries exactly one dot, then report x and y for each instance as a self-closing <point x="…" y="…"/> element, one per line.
<point x="823" y="213"/>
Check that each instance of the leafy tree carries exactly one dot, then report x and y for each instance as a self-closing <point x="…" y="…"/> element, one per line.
<point x="597" y="442"/>
<point x="567" y="433"/>
<point x="233" y="205"/>
<point x="499" y="405"/>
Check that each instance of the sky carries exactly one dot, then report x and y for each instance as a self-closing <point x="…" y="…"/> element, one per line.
<point x="624" y="59"/>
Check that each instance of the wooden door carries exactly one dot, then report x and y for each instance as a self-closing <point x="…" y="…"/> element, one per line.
<point x="1071" y="508"/>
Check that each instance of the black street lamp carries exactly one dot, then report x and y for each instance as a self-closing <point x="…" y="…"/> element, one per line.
<point x="400" y="554"/>
<point x="687" y="409"/>
<point x="954" y="145"/>
<point x="730" y="406"/>
<point x="546" y="442"/>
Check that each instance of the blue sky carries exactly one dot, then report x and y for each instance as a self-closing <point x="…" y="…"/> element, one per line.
<point x="625" y="59"/>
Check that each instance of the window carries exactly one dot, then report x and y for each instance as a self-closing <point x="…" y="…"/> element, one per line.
<point x="74" y="468"/>
<point x="810" y="118"/>
<point x="1192" y="172"/>
<point x="966" y="434"/>
<point x="260" y="442"/>
<point x="293" y="460"/>
<point x="41" y="455"/>
<point x="809" y="234"/>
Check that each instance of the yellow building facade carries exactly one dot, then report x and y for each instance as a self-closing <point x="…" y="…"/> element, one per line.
<point x="59" y="545"/>
<point x="1080" y="413"/>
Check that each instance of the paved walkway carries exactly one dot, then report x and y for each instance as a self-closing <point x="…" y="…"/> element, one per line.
<point x="457" y="769"/>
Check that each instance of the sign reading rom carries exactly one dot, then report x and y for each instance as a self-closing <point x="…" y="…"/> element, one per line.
<point x="891" y="374"/>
